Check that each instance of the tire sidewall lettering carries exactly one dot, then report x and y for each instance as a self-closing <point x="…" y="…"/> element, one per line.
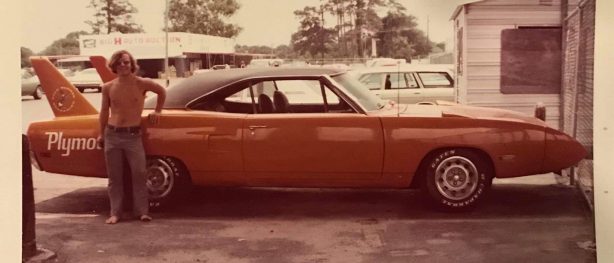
<point x="474" y="197"/>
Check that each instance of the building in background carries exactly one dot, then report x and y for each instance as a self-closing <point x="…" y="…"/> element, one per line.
<point x="186" y="52"/>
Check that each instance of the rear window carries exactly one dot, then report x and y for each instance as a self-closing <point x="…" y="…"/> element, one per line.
<point x="436" y="79"/>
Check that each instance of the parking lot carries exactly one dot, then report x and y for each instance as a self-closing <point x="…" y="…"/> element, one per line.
<point x="531" y="219"/>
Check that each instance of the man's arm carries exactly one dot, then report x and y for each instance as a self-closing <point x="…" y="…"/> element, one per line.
<point x="103" y="118"/>
<point x="161" y="92"/>
<point x="154" y="87"/>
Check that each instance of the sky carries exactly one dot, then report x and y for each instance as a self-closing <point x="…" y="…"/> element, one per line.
<point x="264" y="22"/>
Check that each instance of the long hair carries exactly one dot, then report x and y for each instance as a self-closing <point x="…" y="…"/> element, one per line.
<point x="114" y="62"/>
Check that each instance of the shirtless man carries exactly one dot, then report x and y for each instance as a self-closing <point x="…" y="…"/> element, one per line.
<point x="121" y="132"/>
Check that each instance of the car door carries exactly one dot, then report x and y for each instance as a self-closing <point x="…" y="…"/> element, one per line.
<point x="207" y="142"/>
<point x="313" y="144"/>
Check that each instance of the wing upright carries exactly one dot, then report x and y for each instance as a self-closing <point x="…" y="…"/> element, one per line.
<point x="100" y="63"/>
<point x="64" y="99"/>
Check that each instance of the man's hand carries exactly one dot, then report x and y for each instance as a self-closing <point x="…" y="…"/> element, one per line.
<point x="100" y="141"/>
<point x="154" y="117"/>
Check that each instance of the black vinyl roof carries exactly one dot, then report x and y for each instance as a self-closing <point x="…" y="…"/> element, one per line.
<point x="178" y="96"/>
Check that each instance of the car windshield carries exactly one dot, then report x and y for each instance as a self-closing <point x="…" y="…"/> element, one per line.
<point x="359" y="92"/>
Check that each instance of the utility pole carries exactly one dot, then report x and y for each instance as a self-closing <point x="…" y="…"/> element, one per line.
<point x="427" y="31"/>
<point x="166" y="46"/>
<point x="322" y="33"/>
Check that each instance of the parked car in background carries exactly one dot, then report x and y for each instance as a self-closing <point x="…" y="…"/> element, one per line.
<point x="30" y="84"/>
<point x="409" y="83"/>
<point x="385" y="62"/>
<point x="86" y="79"/>
<point x="265" y="62"/>
<point x="337" y="66"/>
<point x="222" y="66"/>
<point x="295" y="64"/>
<point x="202" y="70"/>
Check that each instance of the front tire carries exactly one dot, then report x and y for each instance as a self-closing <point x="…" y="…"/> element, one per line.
<point x="38" y="93"/>
<point x="457" y="179"/>
<point x="167" y="181"/>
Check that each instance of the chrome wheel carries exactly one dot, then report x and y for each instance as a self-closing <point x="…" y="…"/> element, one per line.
<point x="456" y="178"/>
<point x="160" y="178"/>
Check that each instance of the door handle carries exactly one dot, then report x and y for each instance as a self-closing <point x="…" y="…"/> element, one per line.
<point x="253" y="127"/>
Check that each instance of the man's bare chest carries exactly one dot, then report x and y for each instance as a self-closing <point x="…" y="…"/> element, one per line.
<point x="126" y="96"/>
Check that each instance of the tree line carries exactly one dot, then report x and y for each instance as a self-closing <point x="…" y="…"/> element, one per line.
<point x="355" y="26"/>
<point x="335" y="28"/>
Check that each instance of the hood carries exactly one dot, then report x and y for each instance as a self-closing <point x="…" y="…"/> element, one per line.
<point x="457" y="110"/>
<point x="452" y="110"/>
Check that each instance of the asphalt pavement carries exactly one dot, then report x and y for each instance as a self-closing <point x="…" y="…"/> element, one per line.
<point x="529" y="219"/>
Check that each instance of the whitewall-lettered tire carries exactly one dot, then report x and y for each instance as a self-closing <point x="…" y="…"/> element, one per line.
<point x="457" y="179"/>
<point x="167" y="180"/>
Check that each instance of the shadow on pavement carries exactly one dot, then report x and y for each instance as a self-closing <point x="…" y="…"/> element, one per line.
<point x="81" y="201"/>
<point x="503" y="201"/>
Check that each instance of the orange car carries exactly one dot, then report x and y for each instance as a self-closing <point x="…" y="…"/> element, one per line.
<point x="310" y="127"/>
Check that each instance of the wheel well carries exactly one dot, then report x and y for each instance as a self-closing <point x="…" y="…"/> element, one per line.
<point x="420" y="171"/>
<point x="179" y="162"/>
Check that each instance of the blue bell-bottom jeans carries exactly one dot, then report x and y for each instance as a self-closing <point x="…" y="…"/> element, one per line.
<point x="118" y="145"/>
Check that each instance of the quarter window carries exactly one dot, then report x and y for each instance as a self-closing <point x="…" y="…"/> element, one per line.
<point x="435" y="79"/>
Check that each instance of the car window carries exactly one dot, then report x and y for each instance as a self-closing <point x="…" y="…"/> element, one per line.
<point x="402" y="81"/>
<point x="301" y="96"/>
<point x="357" y="91"/>
<point x="436" y="79"/>
<point x="296" y="91"/>
<point x="372" y="81"/>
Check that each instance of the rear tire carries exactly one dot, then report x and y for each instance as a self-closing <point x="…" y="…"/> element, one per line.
<point x="38" y="93"/>
<point x="456" y="179"/>
<point x="167" y="181"/>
